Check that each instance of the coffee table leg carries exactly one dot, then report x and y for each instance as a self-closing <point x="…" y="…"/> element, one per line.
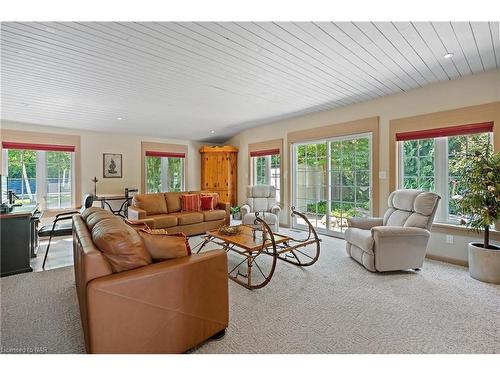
<point x="249" y="271"/>
<point x="201" y="245"/>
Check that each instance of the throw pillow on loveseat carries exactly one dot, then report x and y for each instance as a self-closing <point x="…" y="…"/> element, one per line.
<point x="162" y="245"/>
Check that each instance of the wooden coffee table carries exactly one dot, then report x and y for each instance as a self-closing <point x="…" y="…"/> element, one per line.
<point x="259" y="248"/>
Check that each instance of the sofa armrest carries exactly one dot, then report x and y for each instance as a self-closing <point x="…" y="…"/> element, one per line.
<point x="245" y="209"/>
<point x="399" y="248"/>
<point x="226" y="206"/>
<point x="364" y="222"/>
<point x="389" y="231"/>
<point x="166" y="307"/>
<point x="135" y="213"/>
<point x="275" y="210"/>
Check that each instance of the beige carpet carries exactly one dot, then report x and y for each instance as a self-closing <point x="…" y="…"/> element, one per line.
<point x="335" y="306"/>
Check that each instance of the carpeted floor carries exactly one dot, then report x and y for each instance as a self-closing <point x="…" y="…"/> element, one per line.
<point x="335" y="306"/>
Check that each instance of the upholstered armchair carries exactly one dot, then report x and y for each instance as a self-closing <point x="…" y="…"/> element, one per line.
<point x="397" y="241"/>
<point x="261" y="199"/>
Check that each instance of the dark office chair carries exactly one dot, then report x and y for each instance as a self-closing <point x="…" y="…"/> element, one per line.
<point x="64" y="229"/>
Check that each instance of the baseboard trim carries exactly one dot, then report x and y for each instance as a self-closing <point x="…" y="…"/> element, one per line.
<point x="440" y="258"/>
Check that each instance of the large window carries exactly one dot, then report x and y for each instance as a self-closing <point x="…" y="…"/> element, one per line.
<point x="164" y="172"/>
<point x="332" y="181"/>
<point x="266" y="167"/>
<point x="44" y="177"/>
<point x="418" y="161"/>
<point x="435" y="164"/>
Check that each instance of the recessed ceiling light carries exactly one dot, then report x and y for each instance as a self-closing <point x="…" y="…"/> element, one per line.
<point x="212" y="131"/>
<point x="119" y="118"/>
<point x="449" y="55"/>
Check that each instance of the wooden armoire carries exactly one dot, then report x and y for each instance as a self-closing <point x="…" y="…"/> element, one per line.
<point x="219" y="171"/>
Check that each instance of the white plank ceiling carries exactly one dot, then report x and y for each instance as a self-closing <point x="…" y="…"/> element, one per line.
<point x="208" y="81"/>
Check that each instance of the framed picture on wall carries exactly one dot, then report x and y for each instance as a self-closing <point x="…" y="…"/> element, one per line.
<point x="112" y="166"/>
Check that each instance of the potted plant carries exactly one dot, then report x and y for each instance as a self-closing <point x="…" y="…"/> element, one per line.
<point x="235" y="211"/>
<point x="479" y="202"/>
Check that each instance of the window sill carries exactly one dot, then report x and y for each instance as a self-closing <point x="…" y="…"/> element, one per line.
<point x="462" y="230"/>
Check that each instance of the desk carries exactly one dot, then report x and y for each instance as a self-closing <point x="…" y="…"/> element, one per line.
<point x="18" y="237"/>
<point x="105" y="199"/>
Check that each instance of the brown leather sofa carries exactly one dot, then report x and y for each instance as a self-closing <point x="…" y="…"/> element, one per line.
<point x="163" y="211"/>
<point x="165" y="307"/>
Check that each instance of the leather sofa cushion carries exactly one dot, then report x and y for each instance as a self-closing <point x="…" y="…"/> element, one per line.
<point x="164" y="221"/>
<point x="214" y="215"/>
<point x="120" y="244"/>
<point x="361" y="238"/>
<point x="153" y="204"/>
<point x="96" y="216"/>
<point x="173" y="201"/>
<point x="162" y="246"/>
<point x="87" y="212"/>
<point x="185" y="218"/>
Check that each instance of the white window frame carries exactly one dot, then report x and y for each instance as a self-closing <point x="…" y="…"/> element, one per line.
<point x="164" y="171"/>
<point x="440" y="177"/>
<point x="268" y="172"/>
<point x="41" y="180"/>
<point x="293" y="158"/>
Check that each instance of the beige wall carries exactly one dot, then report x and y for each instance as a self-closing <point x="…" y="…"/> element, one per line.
<point x="94" y="144"/>
<point x="468" y="91"/>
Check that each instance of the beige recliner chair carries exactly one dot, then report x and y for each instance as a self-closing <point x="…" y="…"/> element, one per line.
<point x="261" y="199"/>
<point x="397" y="241"/>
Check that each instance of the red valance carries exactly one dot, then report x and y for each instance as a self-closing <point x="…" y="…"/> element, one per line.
<point x="37" y="147"/>
<point x="160" y="154"/>
<point x="273" y="151"/>
<point x="448" y="131"/>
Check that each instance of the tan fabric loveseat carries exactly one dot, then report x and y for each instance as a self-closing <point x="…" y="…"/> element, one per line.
<point x="163" y="211"/>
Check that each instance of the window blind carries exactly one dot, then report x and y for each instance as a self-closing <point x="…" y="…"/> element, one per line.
<point x="161" y="154"/>
<point x="273" y="151"/>
<point x="37" y="147"/>
<point x="448" y="131"/>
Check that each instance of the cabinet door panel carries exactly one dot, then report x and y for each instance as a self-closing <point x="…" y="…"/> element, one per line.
<point x="211" y="172"/>
<point x="219" y="174"/>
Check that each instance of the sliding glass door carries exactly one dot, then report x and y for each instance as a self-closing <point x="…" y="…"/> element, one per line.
<point x="332" y="181"/>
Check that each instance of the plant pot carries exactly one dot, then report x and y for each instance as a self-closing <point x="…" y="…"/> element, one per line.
<point x="484" y="264"/>
<point x="237" y="216"/>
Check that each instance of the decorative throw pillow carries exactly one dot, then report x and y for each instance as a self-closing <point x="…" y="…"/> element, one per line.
<point x="163" y="246"/>
<point x="120" y="244"/>
<point x="190" y="202"/>
<point x="136" y="224"/>
<point x="207" y="203"/>
<point x="215" y="196"/>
